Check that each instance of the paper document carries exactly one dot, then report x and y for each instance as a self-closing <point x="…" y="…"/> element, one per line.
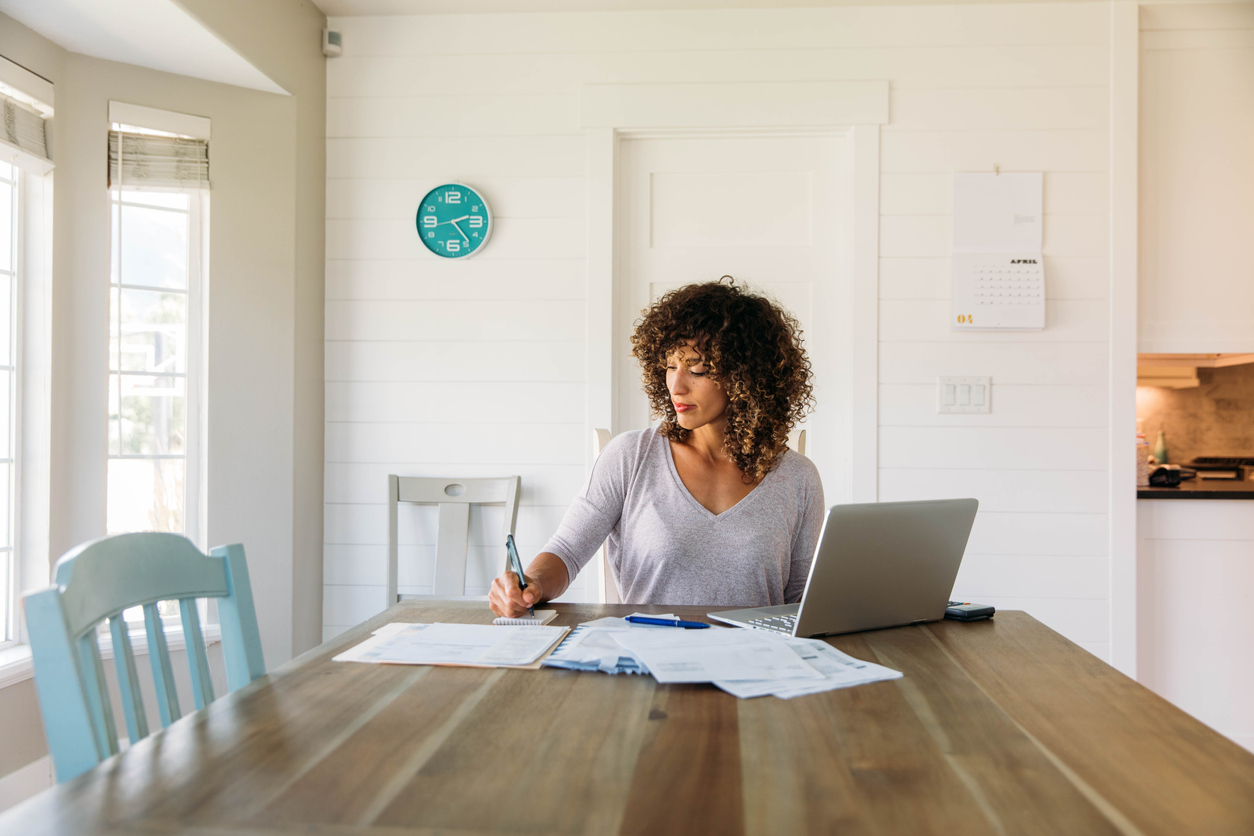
<point x="360" y="652"/>
<point x="839" y="670"/>
<point x="715" y="655"/>
<point x="591" y="647"/>
<point x="455" y="644"/>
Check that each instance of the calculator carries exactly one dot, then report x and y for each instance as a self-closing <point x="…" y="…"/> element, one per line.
<point x="998" y="291"/>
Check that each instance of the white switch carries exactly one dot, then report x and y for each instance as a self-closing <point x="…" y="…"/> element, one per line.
<point x="964" y="395"/>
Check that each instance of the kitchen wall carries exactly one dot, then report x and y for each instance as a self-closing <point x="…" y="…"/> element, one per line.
<point x="467" y="369"/>
<point x="1213" y="419"/>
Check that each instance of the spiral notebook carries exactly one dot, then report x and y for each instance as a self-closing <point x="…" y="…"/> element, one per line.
<point x="541" y="617"/>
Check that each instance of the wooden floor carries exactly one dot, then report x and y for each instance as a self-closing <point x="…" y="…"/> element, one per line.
<point x="999" y="727"/>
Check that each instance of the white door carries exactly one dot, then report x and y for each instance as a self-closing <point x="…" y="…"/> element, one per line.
<point x="764" y="209"/>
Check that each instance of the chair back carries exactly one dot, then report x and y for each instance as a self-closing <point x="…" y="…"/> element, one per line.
<point x="98" y="581"/>
<point x="607" y="585"/>
<point x="454" y="498"/>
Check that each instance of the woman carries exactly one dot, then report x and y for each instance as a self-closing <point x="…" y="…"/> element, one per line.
<point x="710" y="507"/>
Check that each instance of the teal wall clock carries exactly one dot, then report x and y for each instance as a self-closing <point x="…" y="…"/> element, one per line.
<point x="454" y="221"/>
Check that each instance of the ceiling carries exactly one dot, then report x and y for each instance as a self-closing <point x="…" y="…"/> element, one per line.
<point x="156" y="34"/>
<point x="351" y="8"/>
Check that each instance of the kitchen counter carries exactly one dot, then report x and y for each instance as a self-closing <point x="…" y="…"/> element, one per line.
<point x="1201" y="489"/>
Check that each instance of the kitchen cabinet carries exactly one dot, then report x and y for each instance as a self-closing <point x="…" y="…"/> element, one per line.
<point x="1195" y="608"/>
<point x="1196" y="189"/>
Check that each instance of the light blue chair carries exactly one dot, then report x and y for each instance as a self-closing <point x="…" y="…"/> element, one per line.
<point x="99" y="580"/>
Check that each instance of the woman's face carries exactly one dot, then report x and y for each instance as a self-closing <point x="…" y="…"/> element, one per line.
<point x="697" y="397"/>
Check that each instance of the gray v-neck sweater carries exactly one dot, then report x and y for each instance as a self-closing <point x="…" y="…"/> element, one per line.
<point x="667" y="548"/>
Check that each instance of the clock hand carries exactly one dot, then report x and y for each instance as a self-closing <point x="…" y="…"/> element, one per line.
<point x="453" y="221"/>
<point x="459" y="229"/>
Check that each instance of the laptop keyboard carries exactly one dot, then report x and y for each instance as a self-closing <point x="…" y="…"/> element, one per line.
<point x="778" y="623"/>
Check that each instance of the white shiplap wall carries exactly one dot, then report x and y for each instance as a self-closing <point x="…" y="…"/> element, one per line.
<point x="477" y="368"/>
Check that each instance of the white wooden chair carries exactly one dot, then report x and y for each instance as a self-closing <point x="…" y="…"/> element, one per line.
<point x="454" y="497"/>
<point x="607" y="586"/>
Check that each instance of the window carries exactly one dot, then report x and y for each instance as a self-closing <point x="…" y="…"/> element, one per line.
<point x="154" y="357"/>
<point x="25" y="340"/>
<point x="9" y="237"/>
<point x="159" y="200"/>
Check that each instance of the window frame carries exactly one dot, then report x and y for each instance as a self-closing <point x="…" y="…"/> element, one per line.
<point x="194" y="376"/>
<point x="13" y="627"/>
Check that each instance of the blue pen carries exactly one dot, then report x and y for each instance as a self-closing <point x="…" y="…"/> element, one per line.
<point x="667" y="622"/>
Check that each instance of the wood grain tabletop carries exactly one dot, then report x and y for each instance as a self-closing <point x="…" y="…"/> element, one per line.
<point x="998" y="727"/>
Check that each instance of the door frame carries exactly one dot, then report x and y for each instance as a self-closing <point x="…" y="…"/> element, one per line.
<point x="852" y="110"/>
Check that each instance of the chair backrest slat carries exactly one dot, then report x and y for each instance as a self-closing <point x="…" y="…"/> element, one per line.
<point x="797" y="441"/>
<point x="607" y="586"/>
<point x="454" y="498"/>
<point x="128" y="680"/>
<point x="98" y="703"/>
<point x="510" y="523"/>
<point x="197" y="660"/>
<point x="450" y="549"/>
<point x="162" y="672"/>
<point x="100" y="580"/>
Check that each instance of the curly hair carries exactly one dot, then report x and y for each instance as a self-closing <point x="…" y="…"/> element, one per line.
<point x="754" y="352"/>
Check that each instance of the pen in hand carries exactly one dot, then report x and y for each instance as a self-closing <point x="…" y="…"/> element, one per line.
<point x="515" y="565"/>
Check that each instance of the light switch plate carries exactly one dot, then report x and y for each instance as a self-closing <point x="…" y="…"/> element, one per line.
<point x="964" y="395"/>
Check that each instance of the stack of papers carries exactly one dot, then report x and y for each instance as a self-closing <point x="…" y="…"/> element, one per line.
<point x="591" y="647"/>
<point x="475" y="645"/>
<point x="744" y="663"/>
<point x="839" y="670"/>
<point x="675" y="655"/>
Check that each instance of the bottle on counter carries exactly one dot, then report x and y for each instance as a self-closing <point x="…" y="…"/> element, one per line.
<point x="1142" y="460"/>
<point x="1160" y="447"/>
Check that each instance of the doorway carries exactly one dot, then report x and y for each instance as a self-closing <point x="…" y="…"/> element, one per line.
<point x="771" y="210"/>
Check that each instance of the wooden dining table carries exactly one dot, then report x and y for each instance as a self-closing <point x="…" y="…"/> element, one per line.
<point x="997" y="727"/>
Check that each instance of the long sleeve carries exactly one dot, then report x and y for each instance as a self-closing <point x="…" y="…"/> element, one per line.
<point x="594" y="512"/>
<point x="806" y="539"/>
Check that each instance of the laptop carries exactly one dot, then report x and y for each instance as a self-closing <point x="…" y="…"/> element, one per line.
<point x="880" y="564"/>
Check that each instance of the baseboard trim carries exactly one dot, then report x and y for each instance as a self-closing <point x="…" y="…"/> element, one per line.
<point x="26" y="782"/>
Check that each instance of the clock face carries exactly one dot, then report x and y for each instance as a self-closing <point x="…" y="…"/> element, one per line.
<point x="454" y="221"/>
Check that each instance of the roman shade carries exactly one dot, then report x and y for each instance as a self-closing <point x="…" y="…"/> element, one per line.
<point x="22" y="127"/>
<point x="138" y="159"/>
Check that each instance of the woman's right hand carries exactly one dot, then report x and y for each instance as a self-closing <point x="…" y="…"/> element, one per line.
<point x="508" y="601"/>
